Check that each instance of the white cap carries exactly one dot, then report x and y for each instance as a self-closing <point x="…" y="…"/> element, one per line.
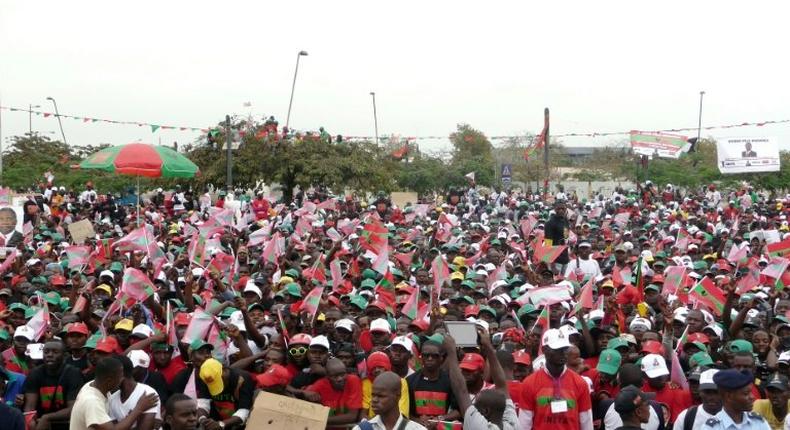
<point x="26" y="332"/>
<point x="640" y="322"/>
<point x="107" y="273"/>
<point x="489" y="267"/>
<point x="680" y="314"/>
<point x="320" y="341"/>
<point x="345" y="324"/>
<point x="139" y="358"/>
<point x="404" y="342"/>
<point x="596" y="314"/>
<point x="380" y="324"/>
<point x="784" y="357"/>
<point x="35" y="351"/>
<point x="32" y="262"/>
<point x="568" y="330"/>
<point x="555" y="339"/>
<point x="706" y="380"/>
<point x="197" y="272"/>
<point x="654" y="366"/>
<point x="143" y="330"/>
<point x="250" y="286"/>
<point x="539" y="363"/>
<point x="482" y="323"/>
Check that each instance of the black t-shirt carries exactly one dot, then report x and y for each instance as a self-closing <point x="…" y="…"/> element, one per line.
<point x="182" y="379"/>
<point x="237" y="394"/>
<point x="54" y="391"/>
<point x="81" y="363"/>
<point x="303" y="379"/>
<point x="157" y="381"/>
<point x="428" y="397"/>
<point x="555" y="231"/>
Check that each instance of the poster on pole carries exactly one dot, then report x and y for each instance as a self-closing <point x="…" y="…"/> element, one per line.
<point x="658" y="144"/>
<point x="748" y="154"/>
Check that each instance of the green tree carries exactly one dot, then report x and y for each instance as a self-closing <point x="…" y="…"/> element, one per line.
<point x="472" y="152"/>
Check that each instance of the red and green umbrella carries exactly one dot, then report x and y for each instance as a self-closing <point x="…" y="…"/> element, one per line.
<point x="140" y="159"/>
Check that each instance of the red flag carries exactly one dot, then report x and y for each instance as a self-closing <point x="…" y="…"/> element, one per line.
<point x="198" y="327"/>
<point x="373" y="237"/>
<point x="708" y="294"/>
<point x="197" y="250"/>
<point x="737" y="254"/>
<point x="381" y="263"/>
<point x="779" y="249"/>
<point x="673" y="279"/>
<point x="586" y="295"/>
<point x="337" y="274"/>
<point x="776" y="267"/>
<point x="441" y="273"/>
<point x="312" y="300"/>
<point x="405" y="258"/>
<point x="548" y="254"/>
<point x="77" y="255"/>
<point x="526" y="225"/>
<point x="749" y="280"/>
<point x="411" y="307"/>
<point x="135" y="285"/>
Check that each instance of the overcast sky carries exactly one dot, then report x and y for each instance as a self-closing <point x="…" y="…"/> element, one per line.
<point x="599" y="66"/>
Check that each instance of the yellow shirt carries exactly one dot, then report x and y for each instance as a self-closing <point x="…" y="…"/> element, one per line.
<point x="764" y="408"/>
<point x="367" y="393"/>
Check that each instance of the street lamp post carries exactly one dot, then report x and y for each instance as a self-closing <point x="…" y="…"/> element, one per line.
<point x="30" y="118"/>
<point x="57" y="114"/>
<point x="293" y="86"/>
<point x="699" y="124"/>
<point x="375" y="117"/>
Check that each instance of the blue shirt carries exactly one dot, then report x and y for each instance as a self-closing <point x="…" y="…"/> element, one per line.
<point x="13" y="387"/>
<point x="722" y="421"/>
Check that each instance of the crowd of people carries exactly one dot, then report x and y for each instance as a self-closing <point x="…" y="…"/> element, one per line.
<point x="651" y="308"/>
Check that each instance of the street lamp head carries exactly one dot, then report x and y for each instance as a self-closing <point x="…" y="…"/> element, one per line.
<point x="303" y="53"/>
<point x="372" y="93"/>
<point x="50" y="98"/>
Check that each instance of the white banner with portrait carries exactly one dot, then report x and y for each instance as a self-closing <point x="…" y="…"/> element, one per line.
<point x="747" y="154"/>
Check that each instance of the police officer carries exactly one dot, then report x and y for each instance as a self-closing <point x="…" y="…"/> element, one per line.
<point x="633" y="405"/>
<point x="737" y="399"/>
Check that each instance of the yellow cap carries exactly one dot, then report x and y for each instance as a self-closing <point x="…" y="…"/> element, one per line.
<point x="459" y="261"/>
<point x="106" y="288"/>
<point x="457" y="275"/>
<point x="211" y="374"/>
<point x="285" y="280"/>
<point x="124" y="324"/>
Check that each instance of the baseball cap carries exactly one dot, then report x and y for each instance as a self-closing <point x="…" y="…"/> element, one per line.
<point x="616" y="342"/>
<point x="630" y="398"/>
<point x="108" y="344"/>
<point x="275" y="375"/>
<point x="211" y="374"/>
<point x="25" y="332"/>
<point x="252" y="288"/>
<point x="124" y="324"/>
<point x="652" y="347"/>
<point x="104" y="287"/>
<point x="142" y="330"/>
<point x="139" y="358"/>
<point x="522" y="357"/>
<point x="654" y="366"/>
<point x="404" y="342"/>
<point x="740" y="345"/>
<point x="472" y="362"/>
<point x="706" y="380"/>
<point x="555" y="339"/>
<point x="380" y="324"/>
<point x="345" y="324"/>
<point x="379" y="359"/>
<point x="321" y="341"/>
<point x="77" y="328"/>
<point x="640" y="323"/>
<point x="701" y="359"/>
<point x="609" y="362"/>
<point x="198" y="344"/>
<point x="778" y="382"/>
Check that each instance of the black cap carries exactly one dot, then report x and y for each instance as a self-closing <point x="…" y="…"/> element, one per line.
<point x="732" y="379"/>
<point x="629" y="398"/>
<point x="777" y="381"/>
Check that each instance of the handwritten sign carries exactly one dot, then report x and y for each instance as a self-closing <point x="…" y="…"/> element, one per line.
<point x="81" y="230"/>
<point x="274" y="412"/>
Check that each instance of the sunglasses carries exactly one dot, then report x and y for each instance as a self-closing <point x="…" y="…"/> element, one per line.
<point x="298" y="351"/>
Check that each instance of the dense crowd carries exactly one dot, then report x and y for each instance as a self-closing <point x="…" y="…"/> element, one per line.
<point x="651" y="308"/>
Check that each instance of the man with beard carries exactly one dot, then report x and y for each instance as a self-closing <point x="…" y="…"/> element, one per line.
<point x="340" y="392"/>
<point x="51" y="389"/>
<point x="554" y="397"/>
<point x="430" y="394"/>
<point x="696" y="416"/>
<point x="231" y="393"/>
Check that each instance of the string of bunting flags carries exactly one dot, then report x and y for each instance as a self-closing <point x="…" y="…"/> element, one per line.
<point x="156" y="127"/>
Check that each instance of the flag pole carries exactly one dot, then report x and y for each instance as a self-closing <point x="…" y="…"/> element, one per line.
<point x="546" y="150"/>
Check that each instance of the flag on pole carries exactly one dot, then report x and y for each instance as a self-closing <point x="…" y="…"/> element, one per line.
<point x="135" y="285"/>
<point x="547" y="254"/>
<point x="312" y="300"/>
<point x="411" y="307"/>
<point x="198" y="327"/>
<point x="78" y="255"/>
<point x="779" y="249"/>
<point x="373" y="237"/>
<point x="737" y="254"/>
<point x="673" y="279"/>
<point x="545" y="296"/>
<point x="336" y="271"/>
<point x="257" y="237"/>
<point x="40" y="320"/>
<point x="776" y="267"/>
<point x="708" y="294"/>
<point x="783" y="281"/>
<point x="381" y="263"/>
<point x="197" y="250"/>
<point x="441" y="273"/>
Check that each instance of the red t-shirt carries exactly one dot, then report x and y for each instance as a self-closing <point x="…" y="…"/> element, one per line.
<point x="176" y="365"/>
<point x="538" y="391"/>
<point x="261" y="208"/>
<point x="676" y="398"/>
<point x="600" y="386"/>
<point x="514" y="389"/>
<point x="339" y="402"/>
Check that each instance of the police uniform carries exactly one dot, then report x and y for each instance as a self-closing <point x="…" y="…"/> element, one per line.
<point x="732" y="379"/>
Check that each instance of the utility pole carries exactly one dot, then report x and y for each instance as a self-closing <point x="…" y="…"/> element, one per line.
<point x="30" y="118"/>
<point x="375" y="117"/>
<point x="228" y="137"/>
<point x="699" y="124"/>
<point x="546" y="149"/>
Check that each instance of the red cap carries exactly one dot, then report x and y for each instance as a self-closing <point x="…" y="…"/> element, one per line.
<point x="697" y="337"/>
<point x="653" y="347"/>
<point x="57" y="280"/>
<point x="473" y="362"/>
<point x="379" y="359"/>
<point x="472" y="311"/>
<point x="657" y="278"/>
<point x="182" y="319"/>
<point x="275" y="375"/>
<point x="522" y="357"/>
<point x="78" y="327"/>
<point x="108" y="345"/>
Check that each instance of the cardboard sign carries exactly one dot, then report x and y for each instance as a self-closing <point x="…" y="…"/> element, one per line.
<point x="81" y="230"/>
<point x="274" y="412"/>
<point x="400" y="199"/>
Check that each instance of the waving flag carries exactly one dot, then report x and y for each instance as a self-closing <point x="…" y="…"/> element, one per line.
<point x="135" y="285"/>
<point x="779" y="249"/>
<point x="312" y="300"/>
<point x="328" y="205"/>
<point x="708" y="294"/>
<point x="222" y="264"/>
<point x="198" y="327"/>
<point x="780" y="284"/>
<point x="273" y="248"/>
<point x="405" y="258"/>
<point x="737" y="254"/>
<point x="78" y="256"/>
<point x="548" y="254"/>
<point x="381" y="263"/>
<point x="586" y="295"/>
<point x="334" y="235"/>
<point x="136" y="240"/>
<point x="197" y="250"/>
<point x="545" y="296"/>
<point x="776" y="267"/>
<point x="337" y="274"/>
<point x="441" y="273"/>
<point x="347" y="226"/>
<point x="373" y="237"/>
<point x="749" y="280"/>
<point x="526" y="225"/>
<point x="411" y="307"/>
<point x="673" y="279"/>
<point x="40" y="320"/>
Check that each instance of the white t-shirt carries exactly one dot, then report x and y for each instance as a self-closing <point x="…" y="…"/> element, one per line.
<point x="119" y="410"/>
<point x="699" y="419"/>
<point x="590" y="267"/>
<point x="89" y="409"/>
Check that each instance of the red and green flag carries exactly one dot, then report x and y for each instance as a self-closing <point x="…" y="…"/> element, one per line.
<point x="373" y="237"/>
<point x="547" y="254"/>
<point x="198" y="327"/>
<point x="673" y="279"/>
<point x="737" y="254"/>
<point x="776" y="267"/>
<point x="197" y="250"/>
<point x="385" y="291"/>
<point x="78" y="256"/>
<point x="411" y="307"/>
<point x="449" y="425"/>
<point x="779" y="249"/>
<point x="135" y="285"/>
<point x="783" y="281"/>
<point x="708" y="294"/>
<point x="336" y="270"/>
<point x="441" y="273"/>
<point x="749" y="280"/>
<point x="312" y="300"/>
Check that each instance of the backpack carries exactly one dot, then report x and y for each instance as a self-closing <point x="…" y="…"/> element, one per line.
<point x="688" y="421"/>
